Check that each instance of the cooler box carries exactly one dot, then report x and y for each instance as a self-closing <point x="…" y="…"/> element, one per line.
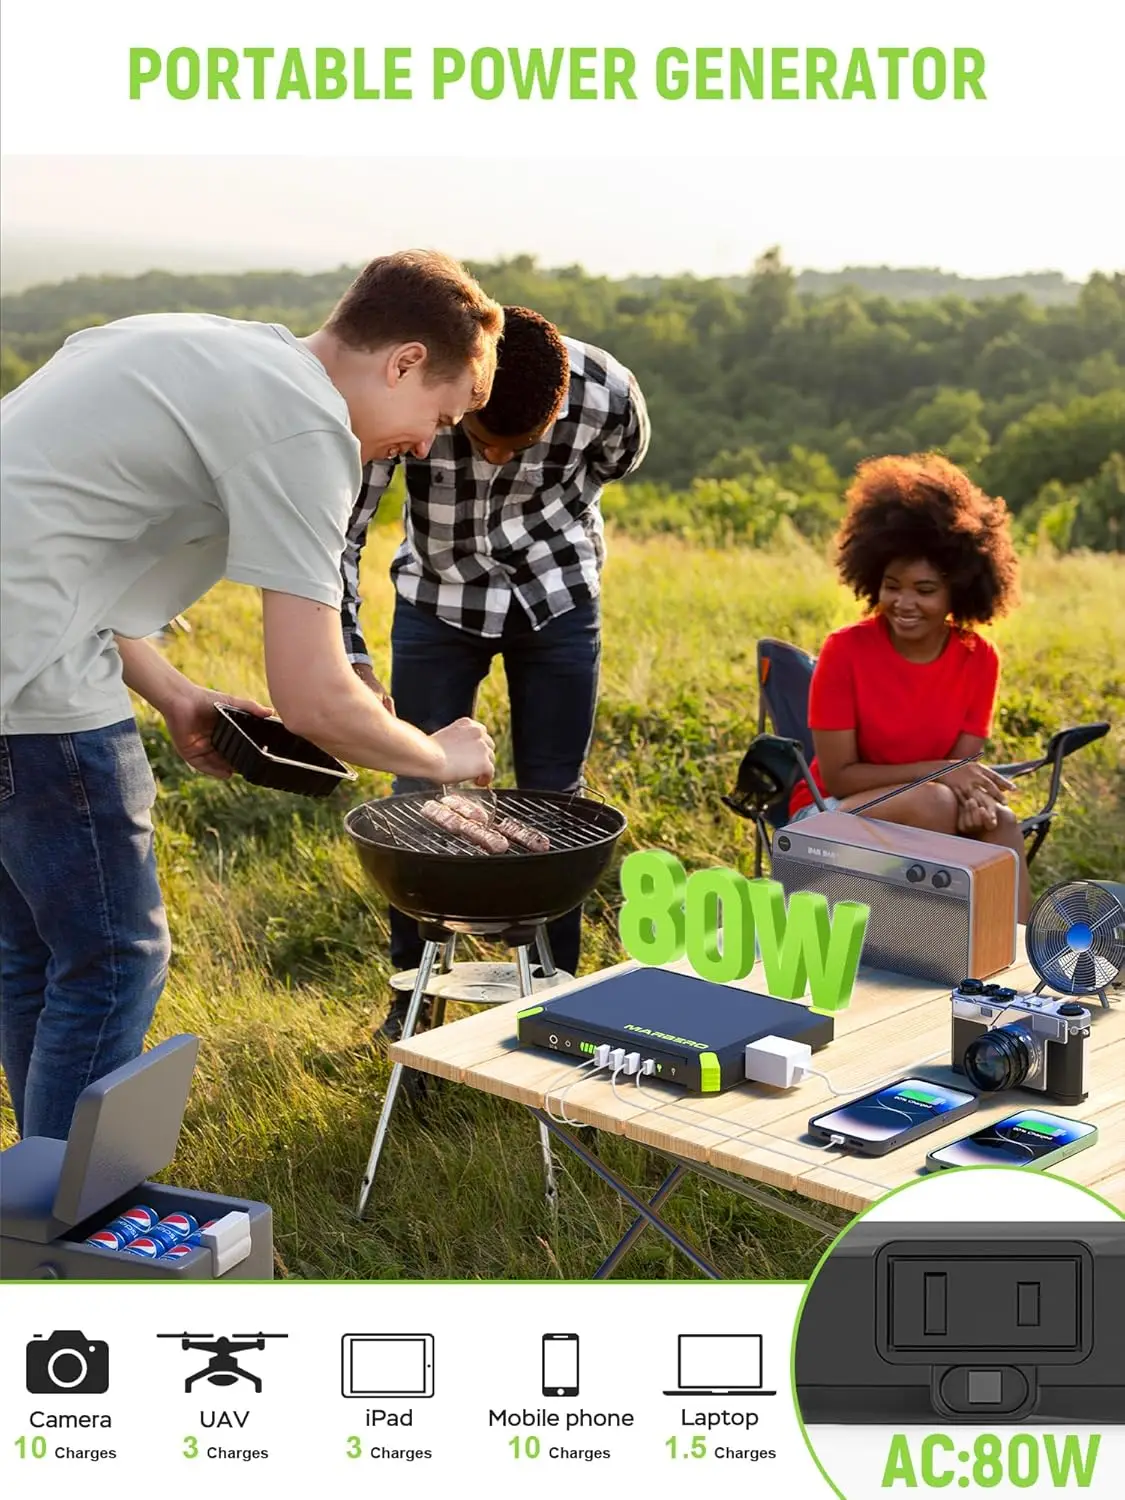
<point x="125" y="1127"/>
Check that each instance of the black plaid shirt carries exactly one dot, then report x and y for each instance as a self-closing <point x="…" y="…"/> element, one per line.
<point x="478" y="535"/>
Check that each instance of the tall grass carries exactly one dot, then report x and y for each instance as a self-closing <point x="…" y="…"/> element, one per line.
<point x="281" y="950"/>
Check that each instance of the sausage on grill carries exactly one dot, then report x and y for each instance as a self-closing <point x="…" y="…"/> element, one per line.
<point x="468" y="807"/>
<point x="465" y="828"/>
<point x="519" y="833"/>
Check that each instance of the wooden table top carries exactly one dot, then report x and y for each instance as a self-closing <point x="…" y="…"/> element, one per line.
<point x="892" y="1024"/>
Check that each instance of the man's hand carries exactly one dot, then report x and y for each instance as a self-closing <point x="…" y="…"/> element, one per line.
<point x="368" y="678"/>
<point x="470" y="754"/>
<point x="191" y="720"/>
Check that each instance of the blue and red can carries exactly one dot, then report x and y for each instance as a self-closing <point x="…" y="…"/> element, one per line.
<point x="146" y="1247"/>
<point x="182" y="1250"/>
<point x="108" y="1239"/>
<point x="183" y="1224"/>
<point x="132" y="1223"/>
<point x="172" y="1230"/>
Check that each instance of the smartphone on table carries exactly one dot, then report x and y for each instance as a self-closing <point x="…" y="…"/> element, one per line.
<point x="1029" y="1138"/>
<point x="890" y="1117"/>
<point x="560" y="1364"/>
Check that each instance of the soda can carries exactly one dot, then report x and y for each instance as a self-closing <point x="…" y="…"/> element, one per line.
<point x="145" y="1247"/>
<point x="108" y="1239"/>
<point x="183" y="1224"/>
<point x="165" y="1235"/>
<point x="132" y="1223"/>
<point x="191" y="1242"/>
<point x="180" y="1251"/>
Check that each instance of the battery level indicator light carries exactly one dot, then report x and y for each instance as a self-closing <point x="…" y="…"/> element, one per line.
<point x="1037" y="1128"/>
<point x="917" y="1097"/>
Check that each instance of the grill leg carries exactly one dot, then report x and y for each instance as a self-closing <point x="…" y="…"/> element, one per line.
<point x="543" y="948"/>
<point x="425" y="968"/>
<point x="527" y="989"/>
<point x="444" y="967"/>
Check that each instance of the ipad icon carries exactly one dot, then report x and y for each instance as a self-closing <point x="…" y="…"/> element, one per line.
<point x="388" y="1365"/>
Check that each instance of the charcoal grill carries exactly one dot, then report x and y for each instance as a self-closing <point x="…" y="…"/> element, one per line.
<point x="451" y="886"/>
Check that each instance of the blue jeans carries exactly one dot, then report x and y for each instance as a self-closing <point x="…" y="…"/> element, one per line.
<point x="552" y="675"/>
<point x="83" y="937"/>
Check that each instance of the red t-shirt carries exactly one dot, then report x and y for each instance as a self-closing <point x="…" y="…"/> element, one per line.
<point x="902" y="711"/>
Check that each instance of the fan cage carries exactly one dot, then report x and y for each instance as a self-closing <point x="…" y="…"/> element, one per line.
<point x="1076" y="936"/>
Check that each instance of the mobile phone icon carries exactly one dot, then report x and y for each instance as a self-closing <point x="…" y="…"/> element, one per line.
<point x="560" y="1364"/>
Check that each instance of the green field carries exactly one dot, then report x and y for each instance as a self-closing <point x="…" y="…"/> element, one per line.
<point x="280" y="950"/>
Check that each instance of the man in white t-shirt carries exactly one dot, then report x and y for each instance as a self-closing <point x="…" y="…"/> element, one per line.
<point x="144" y="462"/>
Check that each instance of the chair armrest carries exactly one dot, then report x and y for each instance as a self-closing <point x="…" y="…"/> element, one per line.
<point x="1019" y="768"/>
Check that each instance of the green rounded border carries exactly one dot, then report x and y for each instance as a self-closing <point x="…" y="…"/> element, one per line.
<point x="906" y="1187"/>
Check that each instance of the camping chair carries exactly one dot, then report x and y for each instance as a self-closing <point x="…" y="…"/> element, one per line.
<point x="774" y="763"/>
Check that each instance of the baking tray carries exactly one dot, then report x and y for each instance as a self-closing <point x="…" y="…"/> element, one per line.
<point x="266" y="753"/>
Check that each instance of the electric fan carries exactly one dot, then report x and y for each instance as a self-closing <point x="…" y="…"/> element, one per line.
<point x="1076" y="937"/>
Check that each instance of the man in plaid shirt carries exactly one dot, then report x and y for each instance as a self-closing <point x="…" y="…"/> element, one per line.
<point x="503" y="555"/>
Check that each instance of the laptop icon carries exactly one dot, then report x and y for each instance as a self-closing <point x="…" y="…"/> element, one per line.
<point x="720" y="1364"/>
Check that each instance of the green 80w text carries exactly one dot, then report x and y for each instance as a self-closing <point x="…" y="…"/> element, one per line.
<point x="721" y="920"/>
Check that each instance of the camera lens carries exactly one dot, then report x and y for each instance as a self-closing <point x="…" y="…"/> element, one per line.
<point x="1000" y="1059"/>
<point x="66" y="1369"/>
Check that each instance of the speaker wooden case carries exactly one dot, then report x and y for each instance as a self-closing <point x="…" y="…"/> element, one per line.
<point x="942" y="908"/>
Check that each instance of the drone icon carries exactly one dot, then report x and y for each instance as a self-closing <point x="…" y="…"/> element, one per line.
<point x="223" y="1368"/>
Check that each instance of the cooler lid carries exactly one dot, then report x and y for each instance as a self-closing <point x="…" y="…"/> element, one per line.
<point x="125" y="1128"/>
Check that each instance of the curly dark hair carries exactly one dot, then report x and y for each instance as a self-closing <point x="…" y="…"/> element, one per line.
<point x="923" y="508"/>
<point x="532" y="376"/>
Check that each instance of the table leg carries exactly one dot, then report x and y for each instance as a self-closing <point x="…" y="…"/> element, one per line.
<point x="628" y="1195"/>
<point x="639" y="1225"/>
<point x="429" y="956"/>
<point x="551" y="1187"/>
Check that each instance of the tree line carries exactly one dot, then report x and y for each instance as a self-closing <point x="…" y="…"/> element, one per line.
<point x="764" y="396"/>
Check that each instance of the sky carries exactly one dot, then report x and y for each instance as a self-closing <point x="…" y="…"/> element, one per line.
<point x="984" y="218"/>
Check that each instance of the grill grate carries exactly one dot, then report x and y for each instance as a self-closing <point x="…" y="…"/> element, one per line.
<point x="573" y="822"/>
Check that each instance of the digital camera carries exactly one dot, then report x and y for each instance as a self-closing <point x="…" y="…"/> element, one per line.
<point x="67" y="1363"/>
<point x="1006" y="1040"/>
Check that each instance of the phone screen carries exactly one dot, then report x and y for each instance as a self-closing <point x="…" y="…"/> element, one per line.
<point x="560" y="1363"/>
<point x="894" y="1110"/>
<point x="1018" y="1141"/>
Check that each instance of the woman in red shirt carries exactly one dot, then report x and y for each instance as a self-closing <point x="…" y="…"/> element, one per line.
<point x="911" y="687"/>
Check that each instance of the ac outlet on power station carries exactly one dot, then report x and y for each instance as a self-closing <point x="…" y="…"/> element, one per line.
<point x="996" y="1323"/>
<point x="978" y="1298"/>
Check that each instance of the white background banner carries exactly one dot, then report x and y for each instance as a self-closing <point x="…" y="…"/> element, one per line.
<point x="1050" y="78"/>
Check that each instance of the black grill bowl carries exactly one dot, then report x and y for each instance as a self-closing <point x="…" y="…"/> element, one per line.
<point x="478" y="892"/>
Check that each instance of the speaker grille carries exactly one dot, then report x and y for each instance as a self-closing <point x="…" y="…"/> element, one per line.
<point x="909" y="932"/>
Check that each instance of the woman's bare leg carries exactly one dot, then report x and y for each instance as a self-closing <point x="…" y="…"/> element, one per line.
<point x="930" y="805"/>
<point x="1009" y="833"/>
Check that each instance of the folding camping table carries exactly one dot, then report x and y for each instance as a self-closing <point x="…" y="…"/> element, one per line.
<point x="752" y="1139"/>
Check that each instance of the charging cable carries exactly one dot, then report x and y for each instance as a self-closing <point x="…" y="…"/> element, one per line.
<point x="863" y="1088"/>
<point x="833" y="1143"/>
<point x="598" y="1065"/>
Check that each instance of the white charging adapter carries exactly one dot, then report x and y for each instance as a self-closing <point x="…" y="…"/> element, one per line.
<point x="777" y="1061"/>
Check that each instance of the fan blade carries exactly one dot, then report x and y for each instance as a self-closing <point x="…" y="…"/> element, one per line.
<point x="1105" y="970"/>
<point x="1067" y="964"/>
<point x="1048" y="947"/>
<point x="1085" y="973"/>
<point x="1057" y="905"/>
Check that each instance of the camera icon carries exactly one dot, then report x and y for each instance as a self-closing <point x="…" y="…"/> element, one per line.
<point x="67" y="1363"/>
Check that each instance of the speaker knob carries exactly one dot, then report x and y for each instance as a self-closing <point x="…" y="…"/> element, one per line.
<point x="941" y="879"/>
<point x="783" y="843"/>
<point x="915" y="873"/>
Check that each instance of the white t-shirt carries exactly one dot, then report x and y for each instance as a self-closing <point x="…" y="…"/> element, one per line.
<point x="144" y="462"/>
